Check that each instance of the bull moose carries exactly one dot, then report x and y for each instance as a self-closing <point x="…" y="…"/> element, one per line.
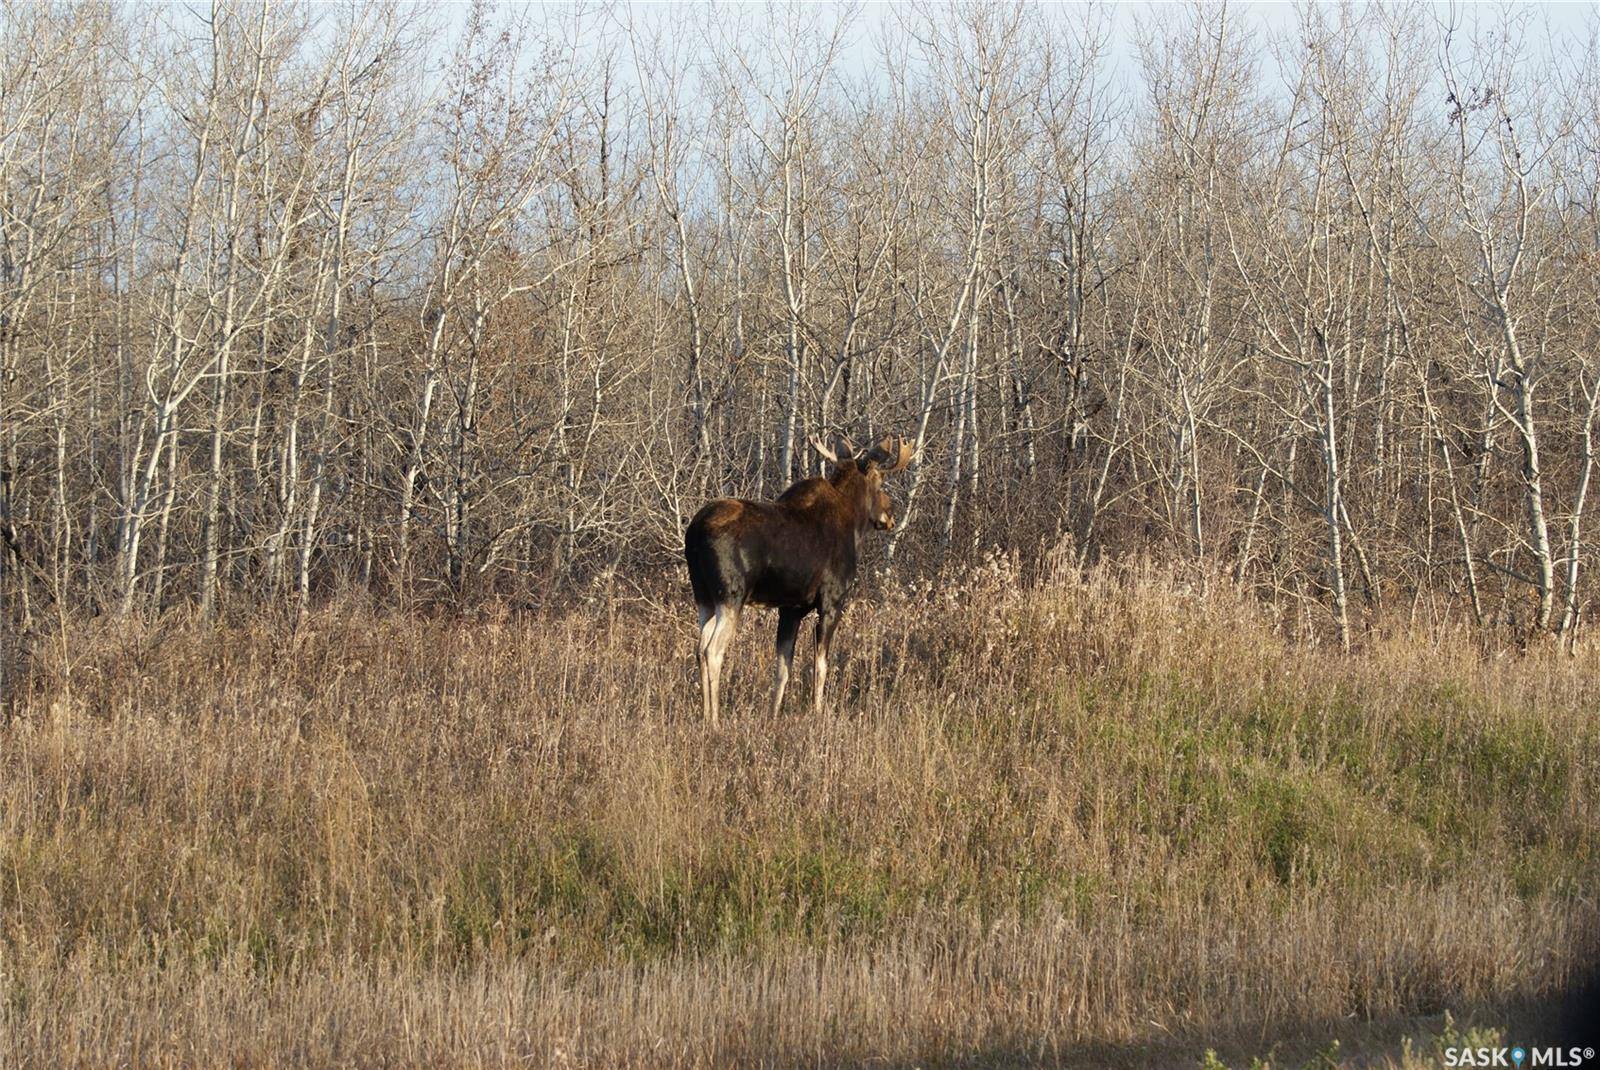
<point x="797" y="553"/>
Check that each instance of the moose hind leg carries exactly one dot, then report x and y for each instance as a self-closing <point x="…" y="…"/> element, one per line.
<point x="723" y="625"/>
<point x="788" y="629"/>
<point x="708" y="623"/>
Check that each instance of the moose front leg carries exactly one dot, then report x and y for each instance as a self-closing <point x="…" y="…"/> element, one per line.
<point x="827" y="621"/>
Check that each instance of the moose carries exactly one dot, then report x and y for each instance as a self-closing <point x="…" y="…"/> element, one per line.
<point x="797" y="553"/>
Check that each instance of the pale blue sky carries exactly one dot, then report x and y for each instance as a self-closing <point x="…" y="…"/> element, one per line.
<point x="1553" y="25"/>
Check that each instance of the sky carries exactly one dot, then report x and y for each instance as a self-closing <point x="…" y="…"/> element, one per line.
<point x="1555" y="25"/>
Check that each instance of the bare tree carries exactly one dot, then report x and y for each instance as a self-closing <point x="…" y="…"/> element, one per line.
<point x="287" y="305"/>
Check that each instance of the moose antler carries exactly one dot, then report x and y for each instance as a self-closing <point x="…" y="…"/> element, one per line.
<point x="844" y="454"/>
<point x="827" y="454"/>
<point x="892" y="455"/>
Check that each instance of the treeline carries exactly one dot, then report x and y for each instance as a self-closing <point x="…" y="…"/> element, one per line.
<point x="439" y="305"/>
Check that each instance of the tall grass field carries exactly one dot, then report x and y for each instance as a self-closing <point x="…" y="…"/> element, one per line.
<point x="1112" y="820"/>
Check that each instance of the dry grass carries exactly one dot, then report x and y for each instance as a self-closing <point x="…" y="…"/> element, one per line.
<point x="1082" y="822"/>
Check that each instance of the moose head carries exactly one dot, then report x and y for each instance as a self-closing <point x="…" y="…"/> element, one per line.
<point x="860" y="473"/>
